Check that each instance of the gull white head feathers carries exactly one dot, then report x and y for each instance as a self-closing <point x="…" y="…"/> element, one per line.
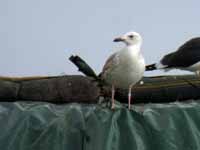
<point x="130" y="38"/>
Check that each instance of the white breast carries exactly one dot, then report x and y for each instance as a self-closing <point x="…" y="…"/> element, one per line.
<point x="129" y="70"/>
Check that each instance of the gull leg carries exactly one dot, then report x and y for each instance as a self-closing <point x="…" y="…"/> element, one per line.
<point x="129" y="97"/>
<point x="113" y="97"/>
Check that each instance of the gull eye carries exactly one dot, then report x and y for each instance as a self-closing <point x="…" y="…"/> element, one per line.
<point x="131" y="36"/>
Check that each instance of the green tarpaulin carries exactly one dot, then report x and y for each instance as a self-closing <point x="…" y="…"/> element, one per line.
<point x="44" y="126"/>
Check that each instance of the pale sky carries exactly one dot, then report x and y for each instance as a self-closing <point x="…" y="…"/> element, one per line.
<point x="38" y="36"/>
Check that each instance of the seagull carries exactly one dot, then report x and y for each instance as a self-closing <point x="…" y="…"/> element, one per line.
<point x="126" y="67"/>
<point x="187" y="57"/>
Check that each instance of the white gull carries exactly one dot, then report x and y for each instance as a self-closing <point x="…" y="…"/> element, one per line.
<point x="126" y="67"/>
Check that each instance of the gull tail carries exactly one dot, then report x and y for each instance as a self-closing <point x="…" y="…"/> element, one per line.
<point x="83" y="66"/>
<point x="151" y="67"/>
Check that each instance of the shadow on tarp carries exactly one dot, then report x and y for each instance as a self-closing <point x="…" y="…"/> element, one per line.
<point x="44" y="126"/>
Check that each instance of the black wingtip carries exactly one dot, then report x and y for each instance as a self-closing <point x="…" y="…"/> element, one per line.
<point x="71" y="58"/>
<point x="150" y="67"/>
<point x="83" y="66"/>
<point x="74" y="59"/>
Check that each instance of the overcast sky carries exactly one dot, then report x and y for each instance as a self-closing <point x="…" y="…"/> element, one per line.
<point x="38" y="36"/>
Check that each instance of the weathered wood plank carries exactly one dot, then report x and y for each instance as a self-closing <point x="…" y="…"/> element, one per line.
<point x="8" y="90"/>
<point x="76" y="88"/>
<point x="61" y="89"/>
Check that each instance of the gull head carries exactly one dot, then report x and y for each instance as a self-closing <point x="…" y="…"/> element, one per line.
<point x="130" y="38"/>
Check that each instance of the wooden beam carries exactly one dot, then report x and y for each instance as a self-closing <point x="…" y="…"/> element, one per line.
<point x="76" y="88"/>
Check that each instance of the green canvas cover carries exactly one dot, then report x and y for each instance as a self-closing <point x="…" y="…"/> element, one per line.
<point x="44" y="126"/>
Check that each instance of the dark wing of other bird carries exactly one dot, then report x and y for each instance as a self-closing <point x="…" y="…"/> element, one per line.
<point x="186" y="55"/>
<point x="83" y="66"/>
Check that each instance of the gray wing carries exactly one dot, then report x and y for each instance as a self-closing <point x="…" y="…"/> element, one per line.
<point x="112" y="61"/>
